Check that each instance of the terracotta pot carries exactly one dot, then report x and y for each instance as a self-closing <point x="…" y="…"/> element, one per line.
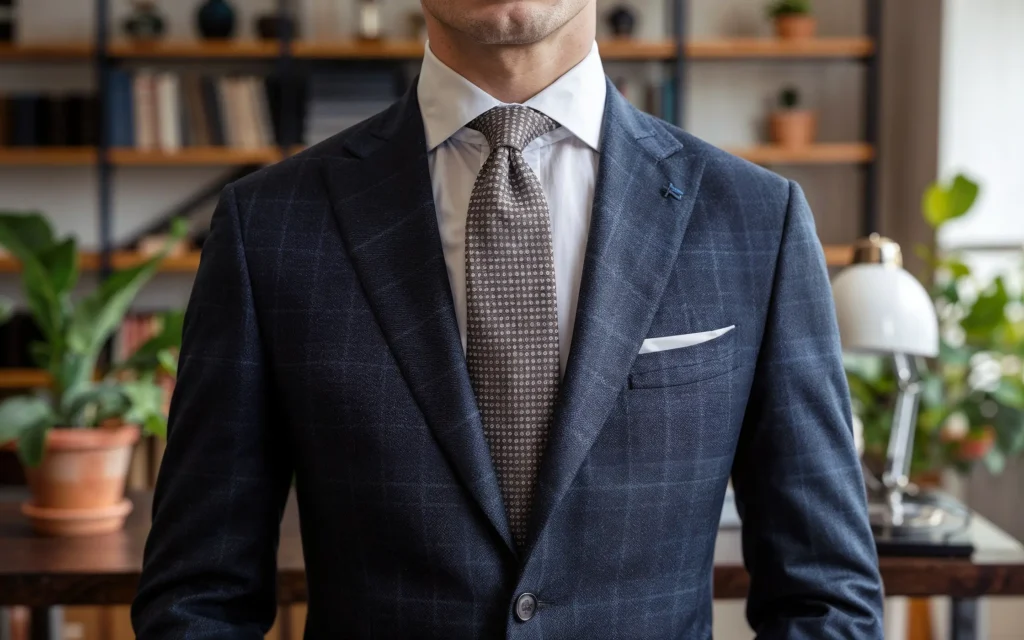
<point x="79" y="487"/>
<point x="796" y="26"/>
<point x="794" y="128"/>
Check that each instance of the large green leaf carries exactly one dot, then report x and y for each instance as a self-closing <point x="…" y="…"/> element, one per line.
<point x="988" y="311"/>
<point x="147" y="405"/>
<point x="91" y="404"/>
<point x="6" y="310"/>
<point x="942" y="203"/>
<point x="28" y="238"/>
<point x="32" y="444"/>
<point x="61" y="261"/>
<point x="98" y="315"/>
<point x="21" y="413"/>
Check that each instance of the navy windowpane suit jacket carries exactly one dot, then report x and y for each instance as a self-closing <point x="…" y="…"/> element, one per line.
<point x="321" y="341"/>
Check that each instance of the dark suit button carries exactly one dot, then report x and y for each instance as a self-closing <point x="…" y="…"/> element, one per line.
<point x="526" y="607"/>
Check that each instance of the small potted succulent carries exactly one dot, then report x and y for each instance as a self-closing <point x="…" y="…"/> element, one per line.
<point x="75" y="437"/>
<point x="793" y="19"/>
<point x="792" y="126"/>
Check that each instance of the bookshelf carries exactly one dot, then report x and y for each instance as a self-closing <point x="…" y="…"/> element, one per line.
<point x="90" y="262"/>
<point x="58" y="51"/>
<point x="47" y="156"/>
<point x="400" y="49"/>
<point x="823" y="153"/>
<point x="194" y="156"/>
<point x="23" y="378"/>
<point x="204" y="49"/>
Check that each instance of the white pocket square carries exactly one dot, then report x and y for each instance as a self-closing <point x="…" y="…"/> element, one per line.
<point x="653" y="345"/>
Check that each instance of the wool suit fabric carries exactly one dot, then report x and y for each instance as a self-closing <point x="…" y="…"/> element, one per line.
<point x="321" y="342"/>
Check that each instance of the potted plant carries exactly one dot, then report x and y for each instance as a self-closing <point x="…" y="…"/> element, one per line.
<point x="75" y="437"/>
<point x="972" y="401"/>
<point x="793" y="19"/>
<point x="790" y="125"/>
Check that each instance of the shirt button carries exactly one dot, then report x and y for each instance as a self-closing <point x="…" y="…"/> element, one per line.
<point x="526" y="607"/>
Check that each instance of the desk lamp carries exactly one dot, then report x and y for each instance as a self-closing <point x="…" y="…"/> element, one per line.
<point x="883" y="310"/>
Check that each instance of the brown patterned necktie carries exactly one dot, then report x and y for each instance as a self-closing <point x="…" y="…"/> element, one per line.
<point x="512" y="318"/>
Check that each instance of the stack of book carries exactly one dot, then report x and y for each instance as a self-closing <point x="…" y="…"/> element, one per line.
<point x="36" y="120"/>
<point x="168" y="111"/>
<point x="338" y="100"/>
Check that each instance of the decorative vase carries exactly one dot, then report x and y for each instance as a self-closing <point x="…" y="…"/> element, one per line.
<point x="145" y="24"/>
<point x="622" y="21"/>
<point x="216" y="19"/>
<point x="794" y="127"/>
<point x="796" y="26"/>
<point x="272" y="26"/>
<point x="78" y="489"/>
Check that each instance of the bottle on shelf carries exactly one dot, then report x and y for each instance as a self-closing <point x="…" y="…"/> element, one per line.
<point x="369" y="19"/>
<point x="7" y="20"/>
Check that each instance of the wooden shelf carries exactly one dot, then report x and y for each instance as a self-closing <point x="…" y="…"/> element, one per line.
<point x="838" y="255"/>
<point x="56" y="51"/>
<point x="825" y="153"/>
<point x="187" y="263"/>
<point x="23" y="378"/>
<point x="732" y="48"/>
<point x="231" y="49"/>
<point x="46" y="156"/>
<point x="194" y="156"/>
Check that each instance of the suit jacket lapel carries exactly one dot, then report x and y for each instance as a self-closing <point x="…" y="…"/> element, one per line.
<point x="383" y="201"/>
<point x="636" y="228"/>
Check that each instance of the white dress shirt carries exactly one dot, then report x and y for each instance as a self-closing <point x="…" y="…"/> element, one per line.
<point x="565" y="160"/>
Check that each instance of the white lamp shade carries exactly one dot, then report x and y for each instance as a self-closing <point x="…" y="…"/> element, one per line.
<point x="883" y="309"/>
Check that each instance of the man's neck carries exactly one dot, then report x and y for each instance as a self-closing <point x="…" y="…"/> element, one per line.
<point x="515" y="73"/>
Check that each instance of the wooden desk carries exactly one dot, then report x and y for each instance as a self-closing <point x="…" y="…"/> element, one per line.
<point x="43" y="572"/>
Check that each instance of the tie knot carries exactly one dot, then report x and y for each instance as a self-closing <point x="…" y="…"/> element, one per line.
<point x="513" y="126"/>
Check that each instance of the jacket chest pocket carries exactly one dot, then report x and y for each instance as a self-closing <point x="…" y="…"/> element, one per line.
<point x="685" y="365"/>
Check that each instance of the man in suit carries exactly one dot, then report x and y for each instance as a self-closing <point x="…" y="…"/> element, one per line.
<point x="510" y="338"/>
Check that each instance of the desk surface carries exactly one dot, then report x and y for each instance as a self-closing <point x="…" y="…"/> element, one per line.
<point x="105" y="569"/>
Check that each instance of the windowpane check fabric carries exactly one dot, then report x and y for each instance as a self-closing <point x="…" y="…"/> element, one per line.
<point x="512" y="318"/>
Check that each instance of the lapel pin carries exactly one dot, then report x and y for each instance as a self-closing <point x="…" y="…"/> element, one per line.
<point x="672" y="191"/>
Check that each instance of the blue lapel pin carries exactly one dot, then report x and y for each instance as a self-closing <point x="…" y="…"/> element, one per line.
<point x="672" y="191"/>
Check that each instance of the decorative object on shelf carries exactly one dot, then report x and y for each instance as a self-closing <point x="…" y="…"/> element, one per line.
<point x="216" y="19"/>
<point x="622" y="21"/>
<point x="76" y="437"/>
<point x="792" y="126"/>
<point x="8" y="20"/>
<point x="417" y="26"/>
<point x="146" y="23"/>
<point x="272" y="26"/>
<point x="793" y="19"/>
<point x="369" y="19"/>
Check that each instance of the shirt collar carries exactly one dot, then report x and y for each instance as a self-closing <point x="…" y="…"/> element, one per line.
<point x="449" y="102"/>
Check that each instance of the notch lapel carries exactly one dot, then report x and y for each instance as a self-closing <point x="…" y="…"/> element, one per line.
<point x="637" y="226"/>
<point x="384" y="204"/>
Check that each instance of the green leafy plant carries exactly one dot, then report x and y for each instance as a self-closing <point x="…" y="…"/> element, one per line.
<point x="789" y="98"/>
<point x="789" y="8"/>
<point x="972" y="402"/>
<point x="74" y="335"/>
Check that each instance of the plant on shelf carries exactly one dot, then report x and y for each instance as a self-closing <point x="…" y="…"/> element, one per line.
<point x="972" y="401"/>
<point x="793" y="19"/>
<point x="791" y="125"/>
<point x="74" y="433"/>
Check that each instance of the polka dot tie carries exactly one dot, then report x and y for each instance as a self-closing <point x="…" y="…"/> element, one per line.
<point x="512" y="320"/>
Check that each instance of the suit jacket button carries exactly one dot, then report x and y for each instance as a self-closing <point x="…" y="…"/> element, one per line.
<point x="526" y="607"/>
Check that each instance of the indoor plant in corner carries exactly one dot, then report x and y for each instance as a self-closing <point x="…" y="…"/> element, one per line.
<point x="793" y="19"/>
<point x="75" y="437"/>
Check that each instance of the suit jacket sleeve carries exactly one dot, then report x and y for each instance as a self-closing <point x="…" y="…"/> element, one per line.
<point x="806" y="540"/>
<point x="210" y="561"/>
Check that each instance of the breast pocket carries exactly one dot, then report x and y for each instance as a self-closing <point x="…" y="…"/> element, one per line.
<point x="685" y="365"/>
